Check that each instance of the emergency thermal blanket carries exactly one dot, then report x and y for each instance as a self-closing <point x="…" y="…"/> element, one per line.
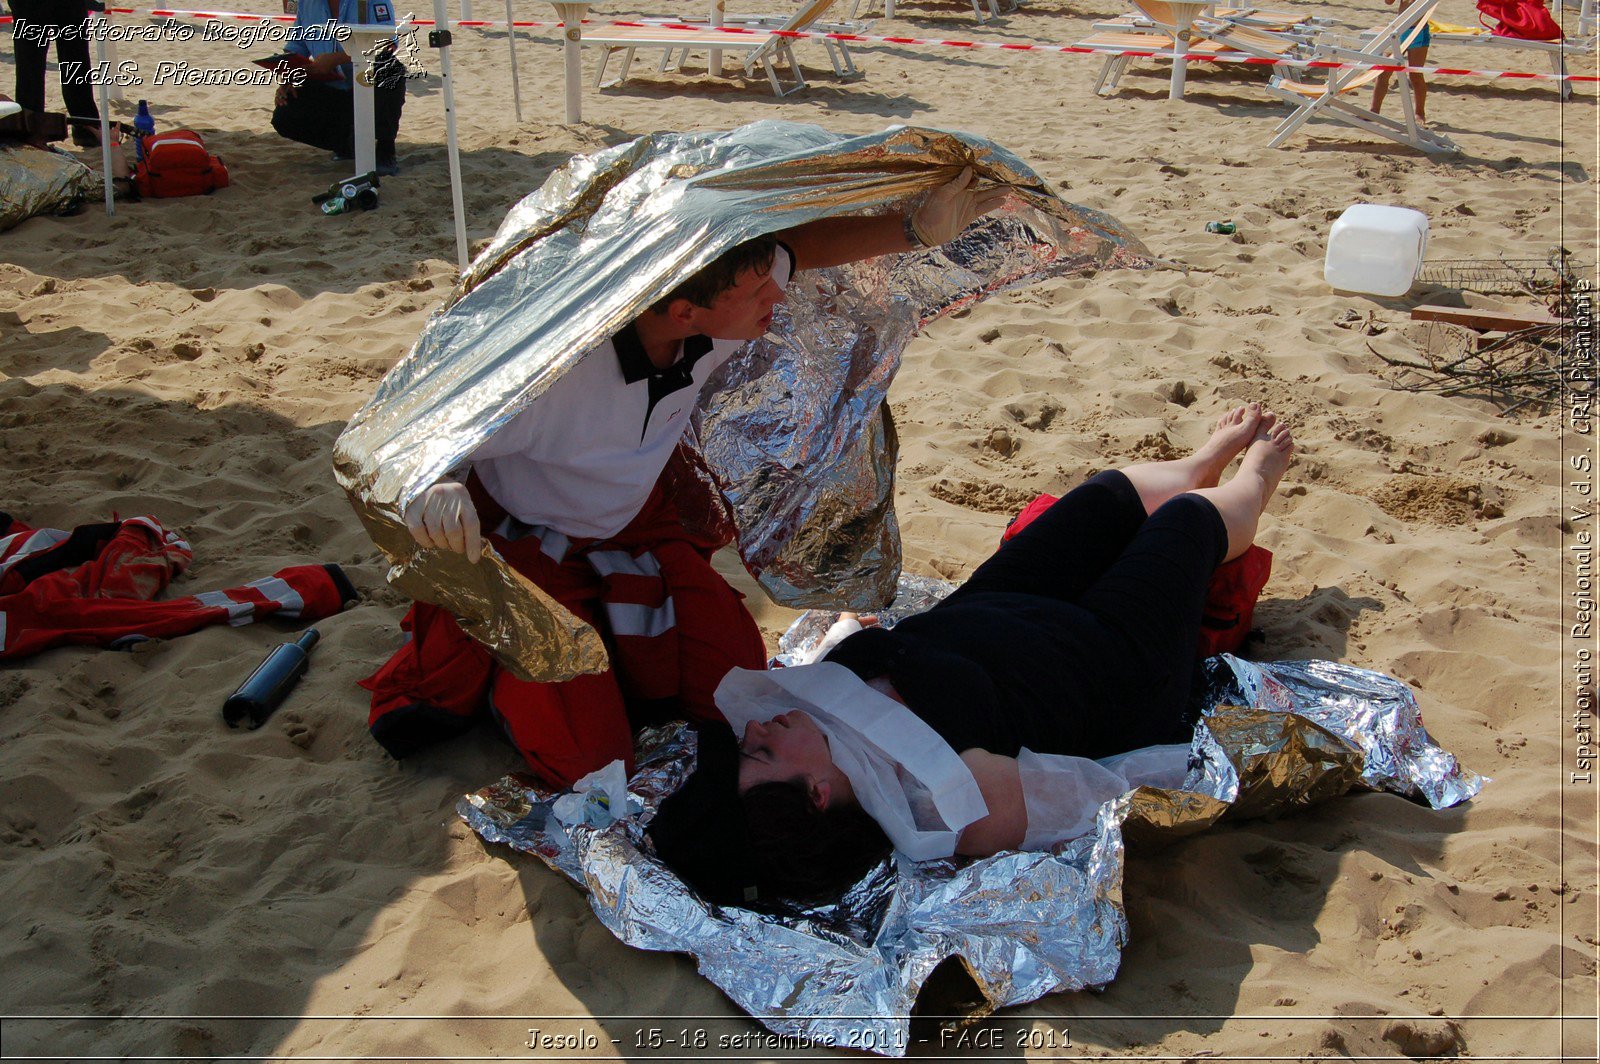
<point x="1274" y="737"/>
<point x="39" y="181"/>
<point x="793" y="434"/>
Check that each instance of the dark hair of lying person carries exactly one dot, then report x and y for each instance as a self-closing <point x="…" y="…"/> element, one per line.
<point x="763" y="853"/>
<point x="809" y="854"/>
<point x="704" y="287"/>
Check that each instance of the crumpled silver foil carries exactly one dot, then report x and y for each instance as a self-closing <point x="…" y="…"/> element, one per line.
<point x="795" y="441"/>
<point x="40" y="181"/>
<point x="1375" y="713"/>
<point x="915" y="594"/>
<point x="1275" y="737"/>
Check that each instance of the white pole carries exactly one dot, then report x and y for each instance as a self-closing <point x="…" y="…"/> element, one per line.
<point x="110" y="58"/>
<point x="466" y="10"/>
<point x="105" y="129"/>
<point x="441" y="26"/>
<point x="572" y="12"/>
<point x="574" y="49"/>
<point x="511" y="44"/>
<point x="1175" y="87"/>
<point x="363" y="103"/>
<point x="1183" y="13"/>
<point x="719" y="9"/>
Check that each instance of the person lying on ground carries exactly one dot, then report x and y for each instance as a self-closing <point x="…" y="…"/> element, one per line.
<point x="576" y="494"/>
<point x="1076" y="638"/>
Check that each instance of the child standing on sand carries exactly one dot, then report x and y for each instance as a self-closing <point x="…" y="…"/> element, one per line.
<point x="1416" y="55"/>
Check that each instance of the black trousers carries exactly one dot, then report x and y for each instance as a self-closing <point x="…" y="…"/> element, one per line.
<point x="1131" y="591"/>
<point x="1077" y="637"/>
<point x="322" y="115"/>
<point x="54" y="15"/>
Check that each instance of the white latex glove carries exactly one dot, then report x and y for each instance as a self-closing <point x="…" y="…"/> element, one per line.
<point x="444" y="517"/>
<point x="847" y="625"/>
<point x="951" y="208"/>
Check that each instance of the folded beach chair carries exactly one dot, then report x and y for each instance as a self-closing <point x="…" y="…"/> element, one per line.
<point x="1338" y="99"/>
<point x="1180" y="28"/>
<point x="986" y="11"/>
<point x="839" y="54"/>
<point x="763" y="50"/>
<point x="1581" y="29"/>
<point x="1292" y="23"/>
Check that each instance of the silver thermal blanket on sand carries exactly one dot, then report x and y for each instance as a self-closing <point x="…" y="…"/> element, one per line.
<point x="42" y="181"/>
<point x="1274" y="737"/>
<point x="792" y="441"/>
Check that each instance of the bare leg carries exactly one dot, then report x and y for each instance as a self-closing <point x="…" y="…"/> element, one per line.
<point x="1380" y="89"/>
<point x="1156" y="482"/>
<point x="1419" y="85"/>
<point x="1241" y="500"/>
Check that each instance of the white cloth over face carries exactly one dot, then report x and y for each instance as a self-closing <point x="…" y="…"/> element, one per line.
<point x="904" y="774"/>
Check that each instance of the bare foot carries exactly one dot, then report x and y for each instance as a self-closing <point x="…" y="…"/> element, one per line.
<point x="1235" y="430"/>
<point x="1268" y="455"/>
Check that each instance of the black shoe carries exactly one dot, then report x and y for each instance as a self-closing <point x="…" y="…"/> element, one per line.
<point x="84" y="137"/>
<point x="389" y="167"/>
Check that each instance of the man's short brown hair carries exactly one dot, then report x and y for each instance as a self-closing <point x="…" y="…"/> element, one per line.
<point x="704" y="287"/>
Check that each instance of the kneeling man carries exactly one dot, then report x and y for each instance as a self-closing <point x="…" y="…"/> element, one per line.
<point x="320" y="112"/>
<point x="571" y="492"/>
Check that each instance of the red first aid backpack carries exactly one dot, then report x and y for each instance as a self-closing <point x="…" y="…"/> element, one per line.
<point x="1525" y="20"/>
<point x="176" y="163"/>
<point x="1230" y="600"/>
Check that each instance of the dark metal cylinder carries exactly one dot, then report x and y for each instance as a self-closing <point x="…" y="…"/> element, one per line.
<point x="260" y="694"/>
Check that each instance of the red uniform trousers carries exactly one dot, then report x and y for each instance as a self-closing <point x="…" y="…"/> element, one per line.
<point x="672" y="625"/>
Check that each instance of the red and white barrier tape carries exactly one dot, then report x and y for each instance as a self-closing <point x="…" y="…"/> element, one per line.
<point x="856" y="38"/>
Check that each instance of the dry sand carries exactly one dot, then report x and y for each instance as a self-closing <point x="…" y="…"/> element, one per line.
<point x="195" y="359"/>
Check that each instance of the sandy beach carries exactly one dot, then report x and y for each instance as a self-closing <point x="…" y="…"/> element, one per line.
<point x="175" y="888"/>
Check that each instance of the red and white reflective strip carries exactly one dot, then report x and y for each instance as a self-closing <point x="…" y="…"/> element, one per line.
<point x="264" y="597"/>
<point x="219" y="16"/>
<point x="1067" y="49"/>
<point x="857" y="38"/>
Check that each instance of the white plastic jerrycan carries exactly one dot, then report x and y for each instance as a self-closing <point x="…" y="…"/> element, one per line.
<point x="1376" y="250"/>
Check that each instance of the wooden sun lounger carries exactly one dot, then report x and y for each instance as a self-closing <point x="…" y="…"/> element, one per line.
<point x="1203" y="37"/>
<point x="839" y="54"/>
<point x="762" y="50"/>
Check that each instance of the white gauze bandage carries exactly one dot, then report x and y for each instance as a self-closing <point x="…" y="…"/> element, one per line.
<point x="904" y="774"/>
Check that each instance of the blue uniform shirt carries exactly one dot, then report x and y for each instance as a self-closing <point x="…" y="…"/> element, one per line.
<point x="314" y="13"/>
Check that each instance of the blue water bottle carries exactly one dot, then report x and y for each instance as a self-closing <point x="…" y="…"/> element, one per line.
<point x="143" y="126"/>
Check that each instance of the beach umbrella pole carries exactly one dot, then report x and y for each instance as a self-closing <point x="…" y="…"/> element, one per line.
<point x="719" y="10"/>
<point x="511" y="44"/>
<point x="440" y="39"/>
<point x="572" y="12"/>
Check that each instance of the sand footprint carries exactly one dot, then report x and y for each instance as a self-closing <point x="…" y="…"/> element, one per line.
<point x="299" y="731"/>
